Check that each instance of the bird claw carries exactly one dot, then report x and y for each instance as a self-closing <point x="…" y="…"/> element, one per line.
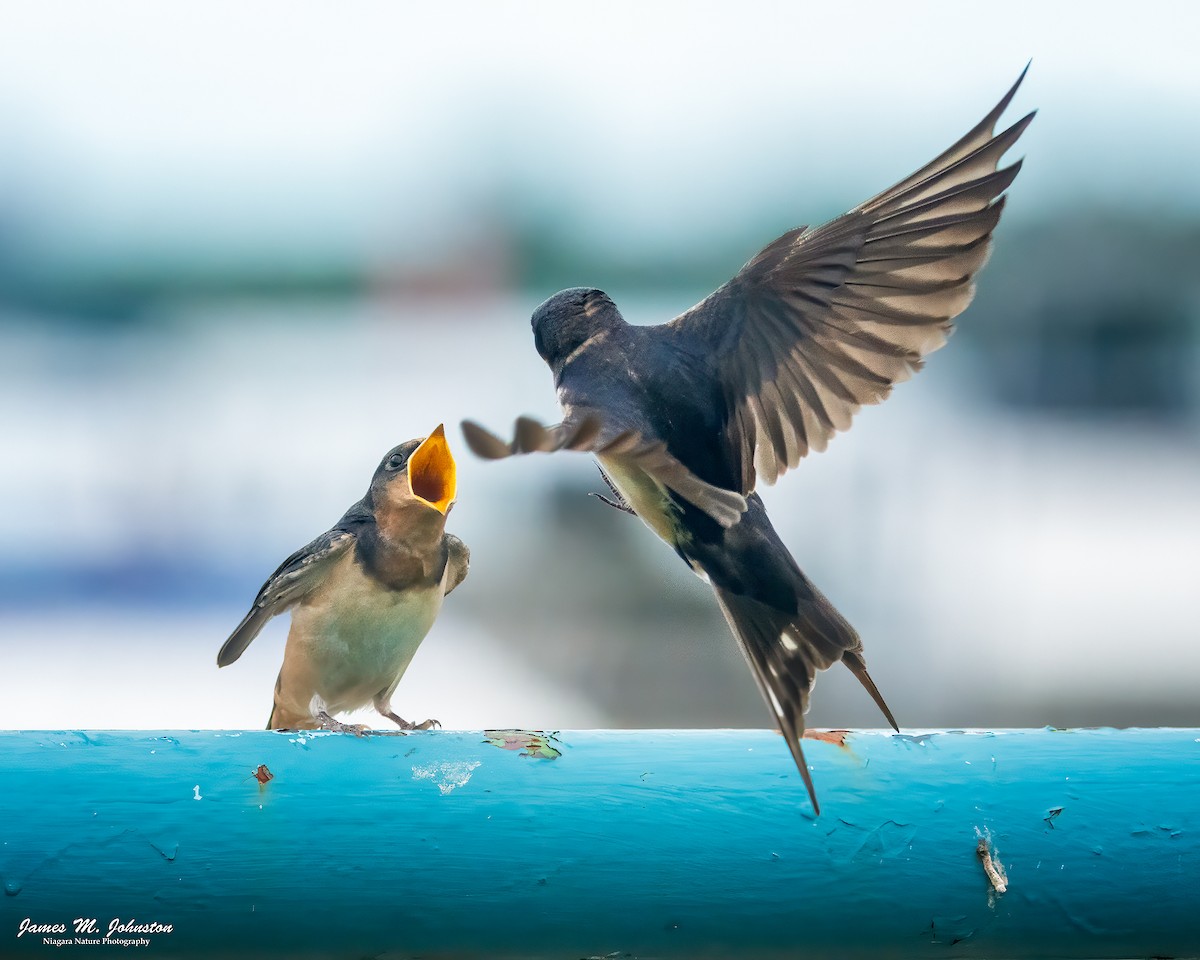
<point x="617" y="504"/>
<point x="623" y="507"/>
<point x="336" y="726"/>
<point x="408" y="724"/>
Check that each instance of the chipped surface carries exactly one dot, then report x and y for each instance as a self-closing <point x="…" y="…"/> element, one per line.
<point x="836" y="737"/>
<point x="992" y="867"/>
<point x="531" y="743"/>
<point x="443" y="844"/>
<point x="446" y="775"/>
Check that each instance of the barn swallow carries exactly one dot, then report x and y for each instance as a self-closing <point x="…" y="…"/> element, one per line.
<point x="686" y="417"/>
<point x="364" y="594"/>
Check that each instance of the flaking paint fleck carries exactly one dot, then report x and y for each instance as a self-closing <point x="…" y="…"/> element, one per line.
<point x="447" y="775"/>
<point x="168" y="851"/>
<point x="836" y="737"/>
<point x="262" y="775"/>
<point x="532" y="743"/>
<point x="992" y="867"/>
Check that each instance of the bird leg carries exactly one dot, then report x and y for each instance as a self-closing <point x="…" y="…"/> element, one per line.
<point x="409" y="725"/>
<point x="329" y="723"/>
<point x="619" y="503"/>
<point x="403" y="724"/>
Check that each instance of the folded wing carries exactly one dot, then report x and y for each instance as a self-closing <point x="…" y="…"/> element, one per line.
<point x="296" y="576"/>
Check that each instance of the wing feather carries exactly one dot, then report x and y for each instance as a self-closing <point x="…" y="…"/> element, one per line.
<point x="295" y="577"/>
<point x="822" y="322"/>
<point x="587" y="435"/>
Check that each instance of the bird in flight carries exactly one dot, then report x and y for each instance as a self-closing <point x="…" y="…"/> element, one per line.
<point x="685" y="418"/>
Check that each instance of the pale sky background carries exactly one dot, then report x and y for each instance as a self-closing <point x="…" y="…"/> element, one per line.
<point x="1030" y="558"/>
<point x="150" y="125"/>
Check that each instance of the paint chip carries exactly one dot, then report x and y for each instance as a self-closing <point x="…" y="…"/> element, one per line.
<point x="532" y="743"/>
<point x="992" y="866"/>
<point x="836" y="737"/>
<point x="447" y="774"/>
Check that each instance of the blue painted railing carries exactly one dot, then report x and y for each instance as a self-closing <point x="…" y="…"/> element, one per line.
<point x="603" y="844"/>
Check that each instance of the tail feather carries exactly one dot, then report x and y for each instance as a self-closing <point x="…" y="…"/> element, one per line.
<point x="858" y="666"/>
<point x="784" y="676"/>
<point x="786" y="651"/>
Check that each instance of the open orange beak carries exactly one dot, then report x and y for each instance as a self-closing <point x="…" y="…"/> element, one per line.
<point x="432" y="475"/>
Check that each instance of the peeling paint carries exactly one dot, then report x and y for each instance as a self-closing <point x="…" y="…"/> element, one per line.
<point x="168" y="851"/>
<point x="992" y="866"/>
<point x="652" y="815"/>
<point x="887" y="841"/>
<point x="916" y="739"/>
<point x="836" y="737"/>
<point x="532" y="743"/>
<point x="447" y="775"/>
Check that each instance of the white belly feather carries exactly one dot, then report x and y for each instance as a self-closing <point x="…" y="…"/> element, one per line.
<point x="362" y="644"/>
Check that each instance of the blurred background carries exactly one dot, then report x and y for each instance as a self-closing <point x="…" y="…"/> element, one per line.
<point x="245" y="249"/>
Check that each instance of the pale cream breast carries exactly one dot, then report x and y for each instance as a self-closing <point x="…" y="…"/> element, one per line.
<point x="352" y="637"/>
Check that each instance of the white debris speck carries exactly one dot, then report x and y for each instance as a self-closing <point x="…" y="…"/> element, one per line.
<point x="447" y="775"/>
<point x="196" y="792"/>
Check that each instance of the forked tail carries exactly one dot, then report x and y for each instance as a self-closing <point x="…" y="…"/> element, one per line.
<point x="785" y="651"/>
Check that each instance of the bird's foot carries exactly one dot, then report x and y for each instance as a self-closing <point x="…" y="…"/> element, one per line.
<point x="328" y="723"/>
<point x="423" y="725"/>
<point x="617" y="504"/>
<point x="408" y="724"/>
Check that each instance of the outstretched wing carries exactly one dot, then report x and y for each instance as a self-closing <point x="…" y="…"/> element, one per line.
<point x="823" y="321"/>
<point x="529" y="436"/>
<point x="296" y="576"/>
<point x="587" y="435"/>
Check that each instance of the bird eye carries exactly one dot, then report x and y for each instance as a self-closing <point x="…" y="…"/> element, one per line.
<point x="395" y="462"/>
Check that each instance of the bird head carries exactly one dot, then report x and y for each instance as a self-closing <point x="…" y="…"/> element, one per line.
<point x="568" y="320"/>
<point x="415" y="483"/>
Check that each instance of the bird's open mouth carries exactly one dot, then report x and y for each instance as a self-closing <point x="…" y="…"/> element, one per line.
<point x="431" y="471"/>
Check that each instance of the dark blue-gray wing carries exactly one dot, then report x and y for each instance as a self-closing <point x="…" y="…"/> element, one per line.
<point x="823" y="321"/>
<point x="296" y="576"/>
<point x="586" y="433"/>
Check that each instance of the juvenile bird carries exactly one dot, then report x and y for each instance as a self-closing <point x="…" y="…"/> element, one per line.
<point x="364" y="594"/>
<point x="687" y="416"/>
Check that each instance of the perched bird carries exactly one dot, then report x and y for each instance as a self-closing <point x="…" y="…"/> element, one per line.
<point x="686" y="417"/>
<point x="364" y="594"/>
